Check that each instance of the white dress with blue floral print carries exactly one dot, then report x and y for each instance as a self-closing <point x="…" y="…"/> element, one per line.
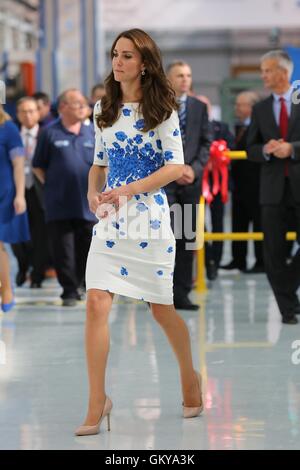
<point x="133" y="251"/>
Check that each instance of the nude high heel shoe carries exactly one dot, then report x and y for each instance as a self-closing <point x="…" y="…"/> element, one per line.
<point x="193" y="411"/>
<point x="91" y="430"/>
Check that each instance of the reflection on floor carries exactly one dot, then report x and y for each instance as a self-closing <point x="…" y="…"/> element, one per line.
<point x="248" y="359"/>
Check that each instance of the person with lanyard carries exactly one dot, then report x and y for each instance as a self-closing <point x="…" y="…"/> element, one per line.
<point x="274" y="141"/>
<point x="186" y="190"/>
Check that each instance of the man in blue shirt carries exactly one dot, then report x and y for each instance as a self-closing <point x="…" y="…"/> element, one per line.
<point x="62" y="160"/>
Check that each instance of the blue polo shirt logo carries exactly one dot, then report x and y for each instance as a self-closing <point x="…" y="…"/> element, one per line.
<point x="89" y="145"/>
<point x="61" y="143"/>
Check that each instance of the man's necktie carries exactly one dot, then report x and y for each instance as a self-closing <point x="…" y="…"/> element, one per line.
<point x="28" y="157"/>
<point x="182" y="119"/>
<point x="283" y="125"/>
<point x="28" y="146"/>
<point x="240" y="131"/>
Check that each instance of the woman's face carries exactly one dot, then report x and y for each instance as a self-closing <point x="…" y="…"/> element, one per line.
<point x="127" y="62"/>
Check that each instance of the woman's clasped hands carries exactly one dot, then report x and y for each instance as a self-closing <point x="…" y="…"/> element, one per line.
<point x="109" y="202"/>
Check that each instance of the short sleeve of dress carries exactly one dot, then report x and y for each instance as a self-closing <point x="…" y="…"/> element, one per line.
<point x="100" y="156"/>
<point x="14" y="143"/>
<point x="171" y="143"/>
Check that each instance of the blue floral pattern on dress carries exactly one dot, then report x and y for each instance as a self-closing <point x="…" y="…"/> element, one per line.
<point x="131" y="155"/>
<point x="134" y="156"/>
<point x="121" y="136"/>
<point x="140" y="124"/>
<point x="126" y="112"/>
<point x="168" y="155"/>
<point x="155" y="224"/>
<point x="138" y="139"/>
<point x="141" y="207"/>
<point x="159" y="199"/>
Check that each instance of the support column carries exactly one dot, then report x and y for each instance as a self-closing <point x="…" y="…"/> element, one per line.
<point x="71" y="48"/>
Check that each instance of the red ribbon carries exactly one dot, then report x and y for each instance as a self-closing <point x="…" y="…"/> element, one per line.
<point x="217" y="165"/>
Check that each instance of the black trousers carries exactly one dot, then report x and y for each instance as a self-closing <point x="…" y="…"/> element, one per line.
<point x="245" y="211"/>
<point x="213" y="251"/>
<point x="70" y="241"/>
<point x="35" y="252"/>
<point x="184" y="222"/>
<point x="284" y="278"/>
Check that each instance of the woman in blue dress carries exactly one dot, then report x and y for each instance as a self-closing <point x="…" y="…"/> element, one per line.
<point x="138" y="140"/>
<point x="13" y="217"/>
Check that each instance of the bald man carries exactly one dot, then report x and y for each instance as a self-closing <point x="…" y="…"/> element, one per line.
<point x="63" y="157"/>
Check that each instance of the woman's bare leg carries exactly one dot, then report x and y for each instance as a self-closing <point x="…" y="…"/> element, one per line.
<point x="97" y="348"/>
<point x="178" y="335"/>
<point x="5" y="289"/>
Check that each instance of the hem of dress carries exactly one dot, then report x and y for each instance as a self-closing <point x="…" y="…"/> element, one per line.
<point x="127" y="293"/>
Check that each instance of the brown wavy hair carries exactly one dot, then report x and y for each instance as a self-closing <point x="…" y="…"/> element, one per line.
<point x="158" y="98"/>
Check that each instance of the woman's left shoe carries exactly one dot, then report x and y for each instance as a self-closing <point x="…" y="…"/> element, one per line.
<point x="8" y="307"/>
<point x="91" y="430"/>
<point x="194" y="411"/>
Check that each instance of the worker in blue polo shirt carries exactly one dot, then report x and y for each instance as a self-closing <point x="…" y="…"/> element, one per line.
<point x="63" y="157"/>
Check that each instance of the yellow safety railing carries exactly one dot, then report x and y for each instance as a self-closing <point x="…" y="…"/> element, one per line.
<point x="203" y="236"/>
<point x="236" y="154"/>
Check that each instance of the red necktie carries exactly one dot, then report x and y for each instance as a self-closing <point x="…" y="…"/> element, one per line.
<point x="283" y="125"/>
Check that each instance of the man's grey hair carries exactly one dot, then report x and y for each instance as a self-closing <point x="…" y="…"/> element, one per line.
<point x="176" y="63"/>
<point x="25" y="99"/>
<point x="251" y="96"/>
<point x="283" y="59"/>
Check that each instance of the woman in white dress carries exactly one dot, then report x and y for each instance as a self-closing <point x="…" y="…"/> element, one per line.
<point x="133" y="247"/>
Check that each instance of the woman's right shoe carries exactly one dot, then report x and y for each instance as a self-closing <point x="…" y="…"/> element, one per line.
<point x="8" y="307"/>
<point x="91" y="430"/>
<point x="194" y="411"/>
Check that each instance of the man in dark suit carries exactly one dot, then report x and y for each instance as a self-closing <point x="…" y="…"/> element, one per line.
<point x="245" y="177"/>
<point x="186" y="191"/>
<point x="33" y="253"/>
<point x="274" y="141"/>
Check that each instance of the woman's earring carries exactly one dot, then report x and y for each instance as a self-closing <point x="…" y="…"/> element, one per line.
<point x="143" y="72"/>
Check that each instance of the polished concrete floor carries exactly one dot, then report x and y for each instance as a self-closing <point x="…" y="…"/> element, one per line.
<point x="246" y="356"/>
